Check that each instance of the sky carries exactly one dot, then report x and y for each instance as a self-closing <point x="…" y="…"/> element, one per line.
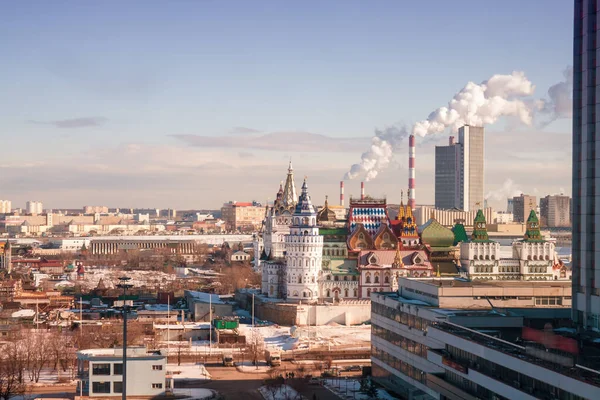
<point x="188" y="104"/>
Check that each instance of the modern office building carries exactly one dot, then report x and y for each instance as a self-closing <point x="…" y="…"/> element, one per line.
<point x="447" y="175"/>
<point x="459" y="171"/>
<point x="586" y="163"/>
<point x="522" y="206"/>
<point x="555" y="211"/>
<point x="456" y="339"/>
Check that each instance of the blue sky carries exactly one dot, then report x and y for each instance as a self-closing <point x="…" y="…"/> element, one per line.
<point x="93" y="92"/>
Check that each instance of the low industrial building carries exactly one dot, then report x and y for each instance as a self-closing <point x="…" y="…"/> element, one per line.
<point x="100" y="373"/>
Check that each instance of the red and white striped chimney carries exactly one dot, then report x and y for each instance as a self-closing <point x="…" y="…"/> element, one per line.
<point x="362" y="190"/>
<point x="411" y="171"/>
<point x="342" y="193"/>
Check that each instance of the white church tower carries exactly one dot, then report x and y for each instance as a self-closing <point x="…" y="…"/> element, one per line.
<point x="304" y="252"/>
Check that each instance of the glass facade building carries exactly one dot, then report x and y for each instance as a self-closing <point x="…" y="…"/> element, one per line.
<point x="586" y="185"/>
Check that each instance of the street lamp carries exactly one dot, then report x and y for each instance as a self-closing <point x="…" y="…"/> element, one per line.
<point x="124" y="284"/>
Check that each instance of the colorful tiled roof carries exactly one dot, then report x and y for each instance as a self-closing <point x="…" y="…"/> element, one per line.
<point x="385" y="258"/>
<point x="371" y="216"/>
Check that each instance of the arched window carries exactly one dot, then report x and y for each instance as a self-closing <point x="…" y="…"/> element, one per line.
<point x="336" y="278"/>
<point x="345" y="292"/>
<point x="345" y="278"/>
<point x="355" y="292"/>
<point x="354" y="278"/>
<point x="376" y="278"/>
<point x="386" y="279"/>
<point x="368" y="278"/>
<point x="313" y="279"/>
<point x="328" y="278"/>
<point x="328" y="293"/>
<point x="299" y="279"/>
<point x="303" y="294"/>
<point x="368" y="292"/>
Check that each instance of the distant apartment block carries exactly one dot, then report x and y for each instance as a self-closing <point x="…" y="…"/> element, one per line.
<point x="95" y="210"/>
<point x="450" y="217"/>
<point x="503" y="217"/>
<point x="242" y="216"/>
<point x="522" y="206"/>
<point x="34" y="207"/>
<point x="555" y="211"/>
<point x="5" y="206"/>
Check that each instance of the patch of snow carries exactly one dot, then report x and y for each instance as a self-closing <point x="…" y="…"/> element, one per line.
<point x="281" y="392"/>
<point x="248" y="368"/>
<point x="195" y="394"/>
<point x="206" y="297"/>
<point x="350" y="389"/>
<point x="187" y="371"/>
<point x="23" y="314"/>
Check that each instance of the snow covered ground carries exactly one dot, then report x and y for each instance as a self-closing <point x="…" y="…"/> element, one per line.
<point x="282" y="392"/>
<point x="350" y="389"/>
<point x="333" y="335"/>
<point x="188" y="371"/>
<point x="110" y="277"/>
<point x="195" y="394"/>
<point x="248" y="368"/>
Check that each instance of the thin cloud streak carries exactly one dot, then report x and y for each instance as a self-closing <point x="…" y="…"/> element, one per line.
<point x="242" y="130"/>
<point x="279" y="141"/>
<point x="72" y="123"/>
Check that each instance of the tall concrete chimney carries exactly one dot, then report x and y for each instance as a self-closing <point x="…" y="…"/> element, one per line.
<point x="362" y="190"/>
<point x="342" y="193"/>
<point x="411" y="171"/>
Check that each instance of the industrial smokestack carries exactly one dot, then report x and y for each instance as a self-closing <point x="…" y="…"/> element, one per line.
<point x="411" y="172"/>
<point x="362" y="190"/>
<point x="342" y="193"/>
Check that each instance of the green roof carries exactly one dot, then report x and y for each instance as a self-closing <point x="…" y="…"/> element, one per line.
<point x="436" y="235"/>
<point x="533" y="234"/>
<point x="333" y="231"/>
<point x="479" y="228"/>
<point x="460" y="234"/>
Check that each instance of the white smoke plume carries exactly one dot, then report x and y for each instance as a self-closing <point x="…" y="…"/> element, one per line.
<point x="475" y="104"/>
<point x="560" y="104"/>
<point x="379" y="155"/>
<point x="508" y="190"/>
<point x="484" y="103"/>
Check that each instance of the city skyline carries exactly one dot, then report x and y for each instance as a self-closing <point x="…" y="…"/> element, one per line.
<point x="230" y="99"/>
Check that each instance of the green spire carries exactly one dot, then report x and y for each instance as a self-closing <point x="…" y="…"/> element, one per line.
<point x="533" y="234"/>
<point x="479" y="228"/>
<point x="460" y="234"/>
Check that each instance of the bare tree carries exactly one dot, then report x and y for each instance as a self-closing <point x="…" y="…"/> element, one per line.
<point x="11" y="371"/>
<point x="256" y="346"/>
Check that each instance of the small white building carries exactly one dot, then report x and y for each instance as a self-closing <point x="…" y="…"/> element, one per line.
<point x="101" y="372"/>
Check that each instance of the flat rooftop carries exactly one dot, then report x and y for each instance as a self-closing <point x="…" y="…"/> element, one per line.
<point x="452" y="282"/>
<point x="587" y="357"/>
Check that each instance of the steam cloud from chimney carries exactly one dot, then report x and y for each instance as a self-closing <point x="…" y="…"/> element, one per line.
<point x="475" y="104"/>
<point x="508" y="190"/>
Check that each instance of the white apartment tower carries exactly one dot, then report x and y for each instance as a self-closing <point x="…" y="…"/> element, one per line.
<point x="303" y="251"/>
<point x="34" y="207"/>
<point x="5" y="206"/>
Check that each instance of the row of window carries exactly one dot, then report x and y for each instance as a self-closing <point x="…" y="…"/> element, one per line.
<point x="433" y="296"/>
<point x="399" y="365"/>
<point x="117" y="368"/>
<point x="548" y="301"/>
<point x="509" y="376"/>
<point x="386" y="278"/>
<point x="336" y="293"/>
<point x="399" y="340"/>
<point x="117" y="387"/>
<point x="336" y="278"/>
<point x="401" y="317"/>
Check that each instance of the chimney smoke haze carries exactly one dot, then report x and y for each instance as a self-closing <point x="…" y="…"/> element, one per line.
<point x="475" y="104"/>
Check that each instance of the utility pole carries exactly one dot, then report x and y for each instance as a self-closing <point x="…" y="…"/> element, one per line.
<point x="124" y="285"/>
